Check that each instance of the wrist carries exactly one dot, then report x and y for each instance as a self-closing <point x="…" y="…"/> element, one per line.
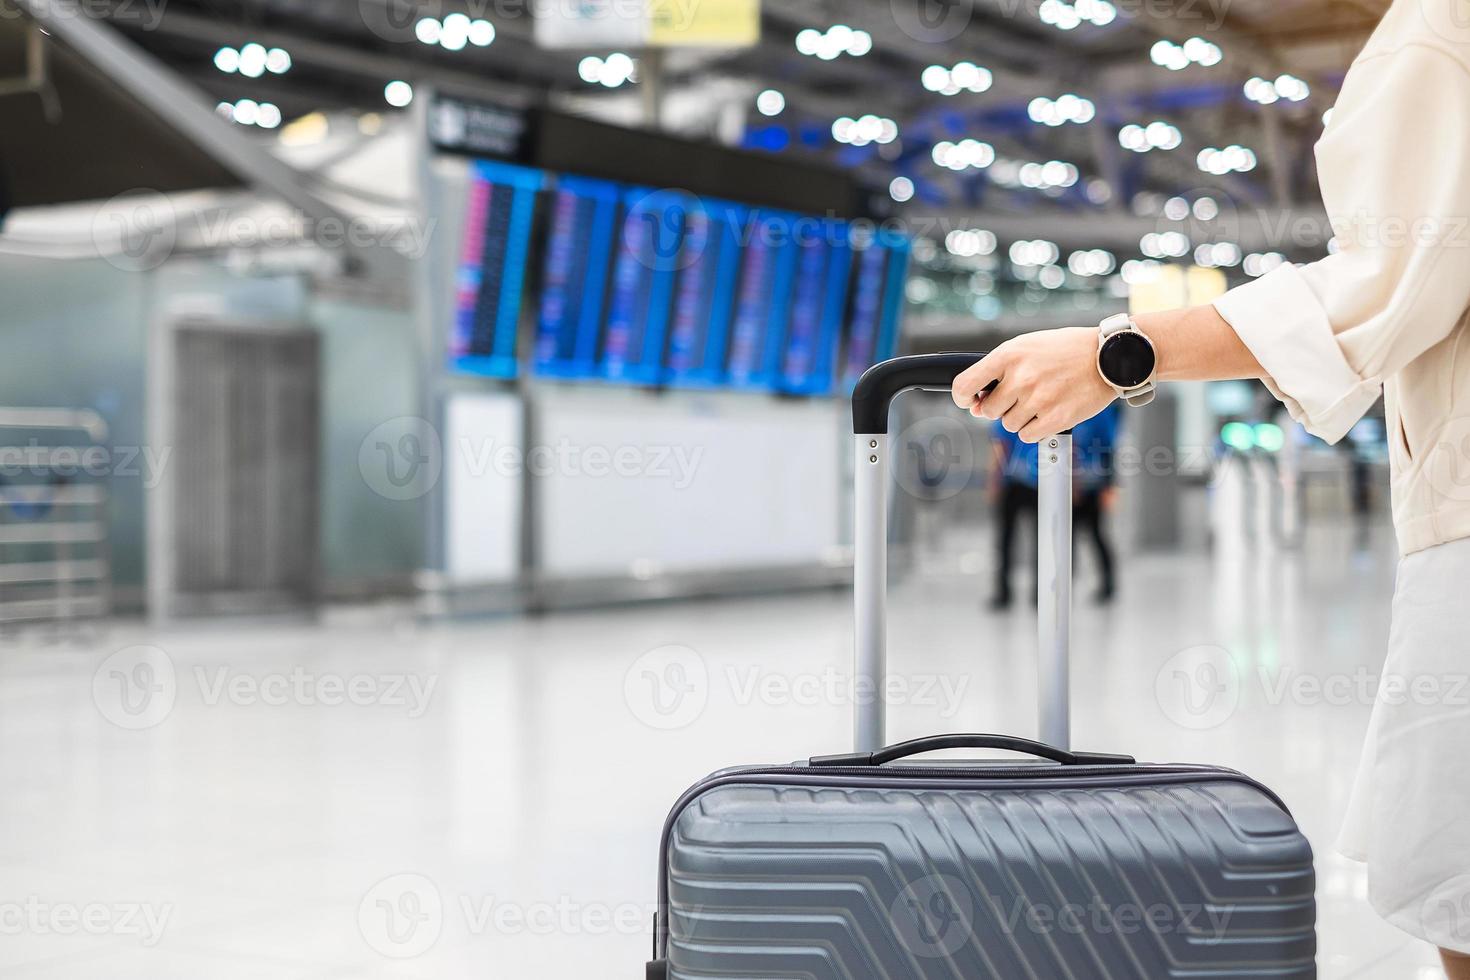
<point x="1159" y="328"/>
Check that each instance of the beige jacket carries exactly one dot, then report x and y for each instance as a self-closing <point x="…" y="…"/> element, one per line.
<point x="1389" y="309"/>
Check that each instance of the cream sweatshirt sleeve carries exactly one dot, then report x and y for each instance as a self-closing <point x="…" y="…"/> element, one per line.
<point x="1394" y="166"/>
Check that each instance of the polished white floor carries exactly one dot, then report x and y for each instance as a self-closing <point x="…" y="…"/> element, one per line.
<point x="373" y="797"/>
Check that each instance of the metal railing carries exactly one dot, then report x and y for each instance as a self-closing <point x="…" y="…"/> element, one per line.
<point x="55" y="563"/>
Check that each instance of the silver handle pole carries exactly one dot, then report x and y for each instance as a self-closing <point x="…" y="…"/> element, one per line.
<point x="1054" y="606"/>
<point x="870" y="588"/>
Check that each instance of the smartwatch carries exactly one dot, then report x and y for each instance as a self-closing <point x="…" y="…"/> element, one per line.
<point x="1126" y="360"/>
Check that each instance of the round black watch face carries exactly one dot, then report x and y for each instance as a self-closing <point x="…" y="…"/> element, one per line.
<point x="1127" y="360"/>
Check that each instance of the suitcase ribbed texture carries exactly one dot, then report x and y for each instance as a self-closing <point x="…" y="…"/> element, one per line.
<point x="1197" y="879"/>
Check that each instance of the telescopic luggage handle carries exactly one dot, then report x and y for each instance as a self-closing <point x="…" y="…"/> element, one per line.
<point x="871" y="400"/>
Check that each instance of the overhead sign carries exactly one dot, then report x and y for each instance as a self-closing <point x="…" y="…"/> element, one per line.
<point x="647" y="23"/>
<point x="478" y="128"/>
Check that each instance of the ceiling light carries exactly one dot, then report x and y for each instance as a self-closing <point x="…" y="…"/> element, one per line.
<point x="482" y="33"/>
<point x="835" y="41"/>
<point x="398" y="94"/>
<point x="1067" y="108"/>
<point x="247" y="111"/>
<point x="252" y="60"/>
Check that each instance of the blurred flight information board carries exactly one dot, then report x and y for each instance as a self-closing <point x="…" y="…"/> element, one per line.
<point x="647" y="254"/>
<point x="662" y="288"/>
<point x="583" y="216"/>
<point x="490" y="280"/>
<point x="877" y="303"/>
<point x="707" y="267"/>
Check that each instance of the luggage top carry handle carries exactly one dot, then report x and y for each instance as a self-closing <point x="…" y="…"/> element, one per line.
<point x="871" y="400"/>
<point x="1008" y="743"/>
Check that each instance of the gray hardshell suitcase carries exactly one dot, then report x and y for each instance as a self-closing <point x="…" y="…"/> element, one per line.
<point x="1083" y="866"/>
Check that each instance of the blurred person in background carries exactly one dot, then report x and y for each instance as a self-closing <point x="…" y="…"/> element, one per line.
<point x="1095" y="445"/>
<point x="1387" y="312"/>
<point x="1013" y="492"/>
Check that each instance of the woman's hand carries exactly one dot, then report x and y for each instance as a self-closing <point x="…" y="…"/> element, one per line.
<point x="1046" y="382"/>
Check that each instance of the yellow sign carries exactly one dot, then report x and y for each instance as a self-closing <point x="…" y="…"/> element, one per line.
<point x="1171" y="287"/>
<point x="704" y="23"/>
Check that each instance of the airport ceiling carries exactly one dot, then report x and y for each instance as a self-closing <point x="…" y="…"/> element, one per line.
<point x="343" y="52"/>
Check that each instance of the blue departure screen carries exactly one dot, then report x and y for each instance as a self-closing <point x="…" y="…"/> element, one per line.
<point x="824" y="258"/>
<point x="763" y="301"/>
<point x="578" y="253"/>
<point x="877" y="303"/>
<point x="704" y="293"/>
<point x="499" y="212"/>
<point x="661" y="287"/>
<point x="649" y="251"/>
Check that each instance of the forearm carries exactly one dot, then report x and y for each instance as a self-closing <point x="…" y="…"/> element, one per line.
<point x="1196" y="344"/>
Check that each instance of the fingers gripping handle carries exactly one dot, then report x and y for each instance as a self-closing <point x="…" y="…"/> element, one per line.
<point x="871" y="400"/>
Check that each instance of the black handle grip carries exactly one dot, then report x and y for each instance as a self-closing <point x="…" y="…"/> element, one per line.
<point x="882" y="382"/>
<point x="1008" y="743"/>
